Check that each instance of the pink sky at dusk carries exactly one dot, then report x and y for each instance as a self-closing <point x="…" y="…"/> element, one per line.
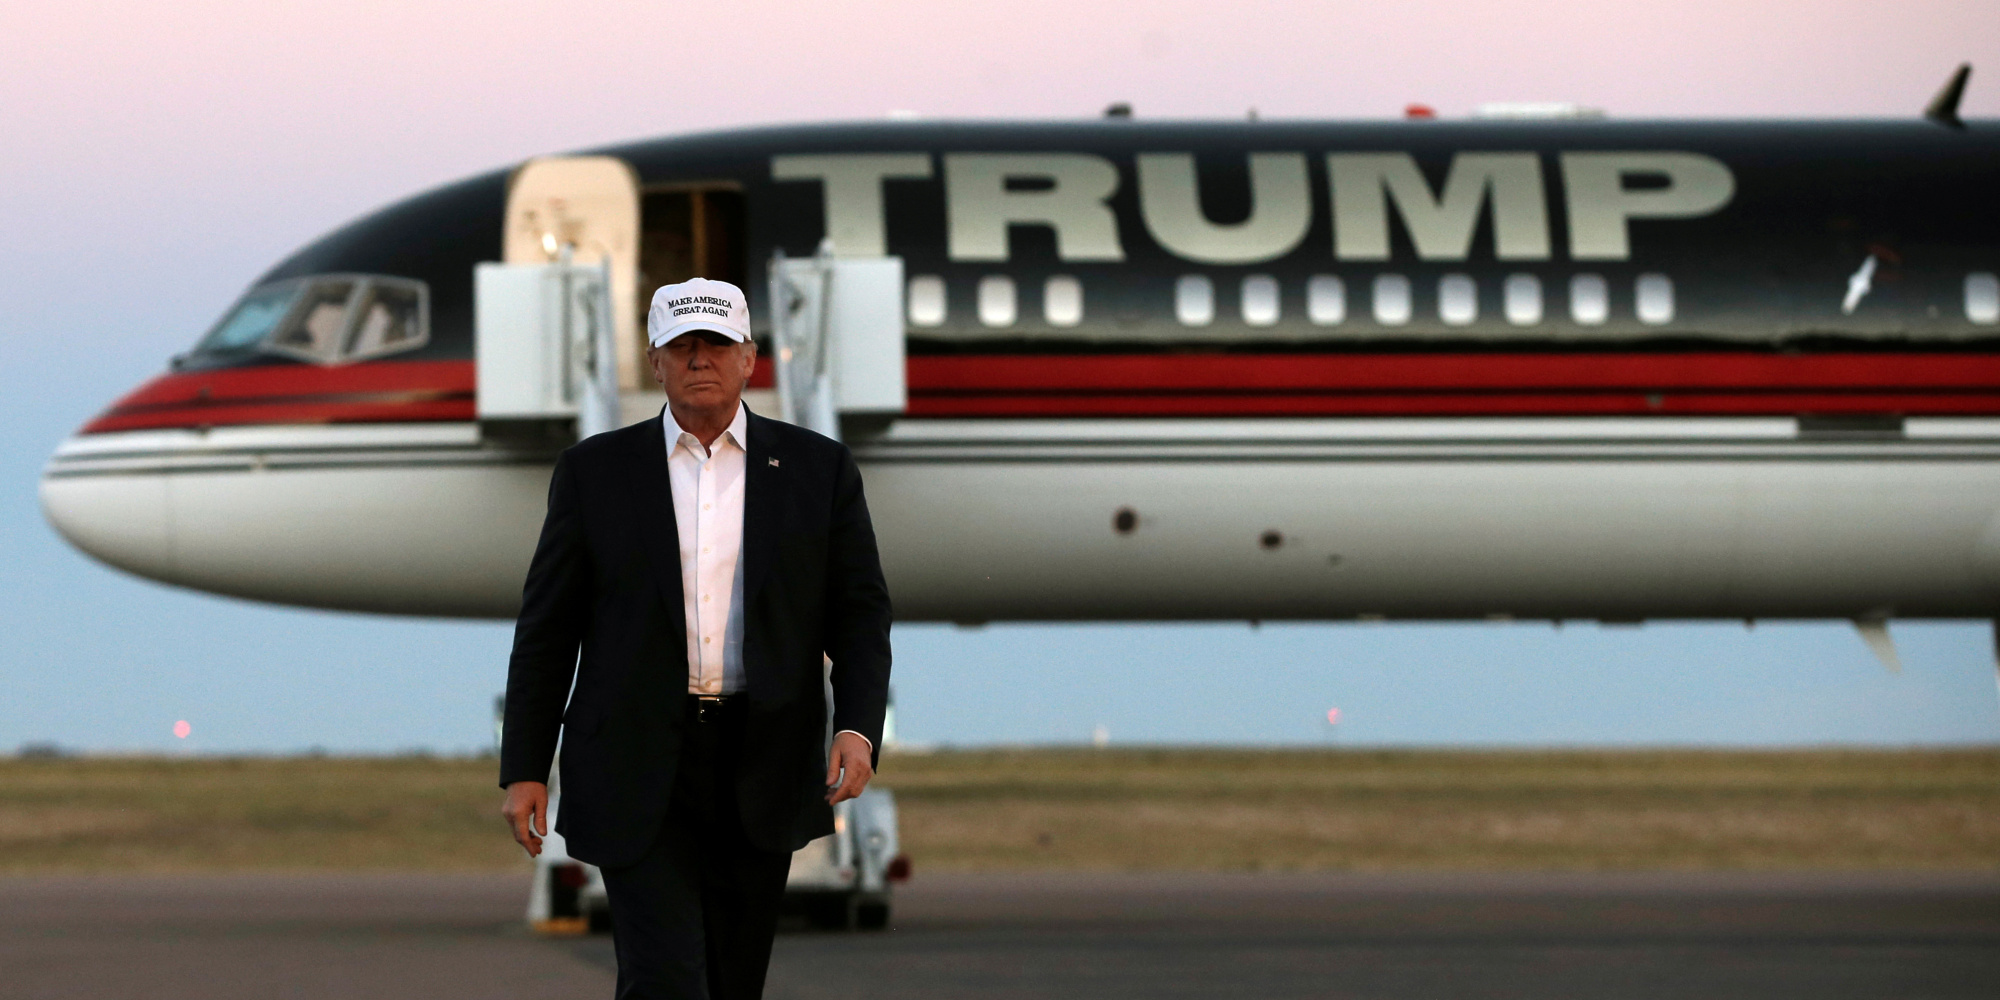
<point x="382" y="97"/>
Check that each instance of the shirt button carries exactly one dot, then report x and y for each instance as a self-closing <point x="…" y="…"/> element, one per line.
<point x="704" y="598"/>
<point x="705" y="640"/>
<point x="704" y="550"/>
<point x="707" y="506"/>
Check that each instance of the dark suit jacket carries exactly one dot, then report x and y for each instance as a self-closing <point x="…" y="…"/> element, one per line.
<point x="606" y="578"/>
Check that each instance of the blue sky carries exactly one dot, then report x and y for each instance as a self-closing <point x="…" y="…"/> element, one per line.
<point x="148" y="183"/>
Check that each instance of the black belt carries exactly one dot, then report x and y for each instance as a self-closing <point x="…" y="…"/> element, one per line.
<point x="709" y="708"/>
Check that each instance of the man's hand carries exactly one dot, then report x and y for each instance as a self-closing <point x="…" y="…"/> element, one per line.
<point x="848" y="766"/>
<point x="527" y="811"/>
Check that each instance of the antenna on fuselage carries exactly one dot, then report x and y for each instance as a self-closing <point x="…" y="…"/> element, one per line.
<point x="1943" y="108"/>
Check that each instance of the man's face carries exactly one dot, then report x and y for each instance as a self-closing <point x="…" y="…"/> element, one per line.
<point x="703" y="369"/>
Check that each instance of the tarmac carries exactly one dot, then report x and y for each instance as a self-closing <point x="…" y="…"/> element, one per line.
<point x="1268" y="936"/>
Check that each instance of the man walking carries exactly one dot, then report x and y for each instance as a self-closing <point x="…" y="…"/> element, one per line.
<point x="704" y="563"/>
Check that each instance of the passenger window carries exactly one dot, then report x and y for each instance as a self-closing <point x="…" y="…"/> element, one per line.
<point x="927" y="300"/>
<point x="1392" y="299"/>
<point x="390" y="319"/>
<point x="1589" y="299"/>
<point x="996" y="300"/>
<point x="1654" y="295"/>
<point x="316" y="327"/>
<point x="1326" y="300"/>
<point x="1458" y="299"/>
<point x="1062" y="301"/>
<point x="1194" y="300"/>
<point x="1523" y="299"/>
<point x="246" y="326"/>
<point x="1260" y="300"/>
<point x="1982" y="297"/>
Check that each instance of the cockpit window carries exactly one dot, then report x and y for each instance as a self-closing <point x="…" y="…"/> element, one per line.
<point x="251" y="321"/>
<point x="314" y="329"/>
<point x="329" y="319"/>
<point x="388" y="319"/>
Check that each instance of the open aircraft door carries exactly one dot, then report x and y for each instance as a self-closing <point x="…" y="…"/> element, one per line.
<point x="589" y="203"/>
<point x="556" y="321"/>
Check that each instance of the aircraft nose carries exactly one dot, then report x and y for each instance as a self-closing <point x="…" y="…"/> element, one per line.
<point x="117" y="514"/>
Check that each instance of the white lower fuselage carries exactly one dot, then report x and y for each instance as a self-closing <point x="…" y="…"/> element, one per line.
<point x="978" y="520"/>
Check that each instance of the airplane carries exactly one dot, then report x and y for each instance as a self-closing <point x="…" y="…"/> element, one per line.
<point x="1518" y="367"/>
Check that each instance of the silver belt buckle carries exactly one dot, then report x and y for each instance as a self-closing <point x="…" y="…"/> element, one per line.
<point x="708" y="708"/>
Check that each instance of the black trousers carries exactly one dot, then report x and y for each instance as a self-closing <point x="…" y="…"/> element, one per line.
<point x="694" y="917"/>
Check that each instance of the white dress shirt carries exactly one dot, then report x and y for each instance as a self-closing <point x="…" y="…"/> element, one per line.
<point x="708" y="514"/>
<point x="707" y="484"/>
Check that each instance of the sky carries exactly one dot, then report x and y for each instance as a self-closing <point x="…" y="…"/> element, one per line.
<point x="158" y="157"/>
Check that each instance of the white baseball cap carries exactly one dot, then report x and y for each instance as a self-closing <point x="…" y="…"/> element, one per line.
<point x="698" y="304"/>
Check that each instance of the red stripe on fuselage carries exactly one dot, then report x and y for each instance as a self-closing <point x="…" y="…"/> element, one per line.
<point x="1164" y="385"/>
<point x="1356" y="372"/>
<point x="372" y="392"/>
<point x="1453" y="405"/>
<point x="1716" y="383"/>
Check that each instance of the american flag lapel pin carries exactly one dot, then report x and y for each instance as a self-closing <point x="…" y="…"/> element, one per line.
<point x="774" y="463"/>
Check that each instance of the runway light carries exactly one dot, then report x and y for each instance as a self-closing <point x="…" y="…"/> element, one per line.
<point x="182" y="729"/>
<point x="1333" y="717"/>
